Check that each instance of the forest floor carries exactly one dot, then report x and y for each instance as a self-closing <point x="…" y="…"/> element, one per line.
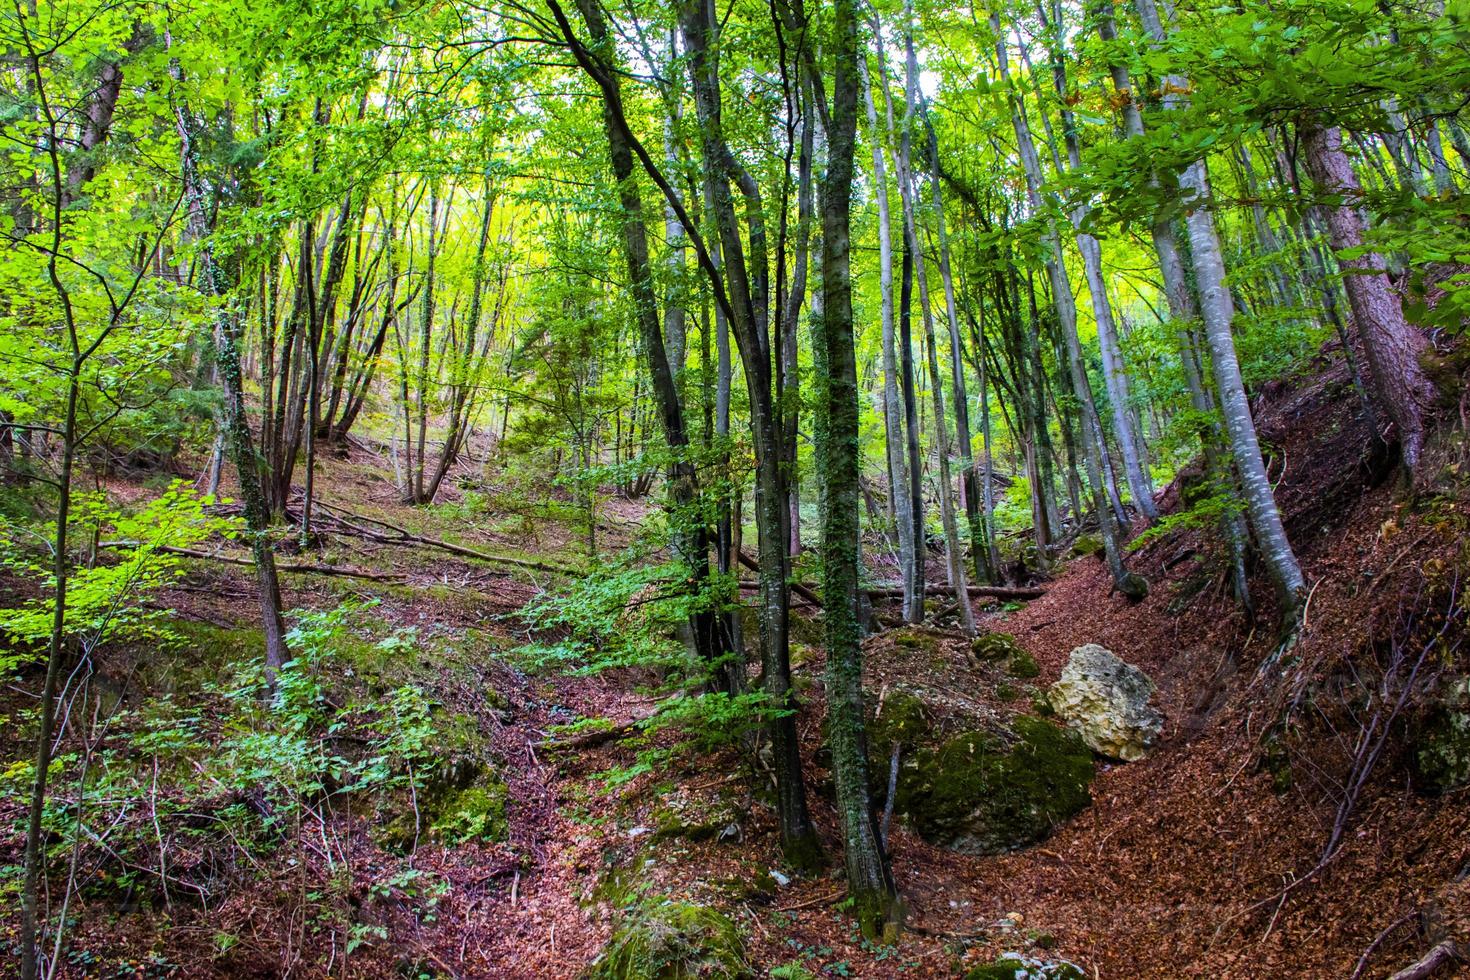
<point x="1183" y="866"/>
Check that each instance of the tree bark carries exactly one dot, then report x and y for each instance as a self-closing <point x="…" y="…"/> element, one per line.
<point x="1218" y="312"/>
<point x="1393" y="347"/>
<point x="869" y="879"/>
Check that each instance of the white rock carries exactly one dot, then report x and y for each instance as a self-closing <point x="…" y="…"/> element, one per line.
<point x="1106" y="701"/>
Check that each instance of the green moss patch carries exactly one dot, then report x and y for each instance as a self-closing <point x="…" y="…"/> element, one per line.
<point x="1014" y="966"/>
<point x="976" y="794"/>
<point x="663" y="939"/>
<point x="912" y="639"/>
<point x="995" y="647"/>
<point x="1022" y="665"/>
<point x="898" y="717"/>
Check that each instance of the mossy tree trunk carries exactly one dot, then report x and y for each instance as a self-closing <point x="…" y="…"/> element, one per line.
<point x="869" y="879"/>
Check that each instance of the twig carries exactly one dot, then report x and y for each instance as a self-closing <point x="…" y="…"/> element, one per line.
<point x="1378" y="941"/>
<point x="811" y="902"/>
<point x="1442" y="955"/>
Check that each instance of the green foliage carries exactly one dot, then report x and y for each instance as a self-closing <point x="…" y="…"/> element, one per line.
<point x="1212" y="504"/>
<point x="664" y="939"/>
<point x="104" y="597"/>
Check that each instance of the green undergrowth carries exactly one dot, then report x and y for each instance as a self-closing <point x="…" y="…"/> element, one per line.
<point x="238" y="770"/>
<point x="661" y="938"/>
<point x="628" y="617"/>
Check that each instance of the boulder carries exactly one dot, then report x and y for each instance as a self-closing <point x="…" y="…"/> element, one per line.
<point x="973" y="779"/>
<point x="1107" y="702"/>
<point x="995" y="647"/>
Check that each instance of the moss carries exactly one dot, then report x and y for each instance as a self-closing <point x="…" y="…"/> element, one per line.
<point x="914" y="640"/>
<point x="1022" y="665"/>
<point x="1015" y="967"/>
<point x="1276" y="760"/>
<point x="898" y="717"/>
<point x="679" y="815"/>
<point x="1441" y="743"/>
<point x="473" y="814"/>
<point x="995" y="647"/>
<point x="461" y="803"/>
<point x="1087" y="545"/>
<point x="662" y="939"/>
<point x="976" y="795"/>
<point x="1006" y="692"/>
<point x="804" y="855"/>
<point x="1134" y="587"/>
<point x="200" y="655"/>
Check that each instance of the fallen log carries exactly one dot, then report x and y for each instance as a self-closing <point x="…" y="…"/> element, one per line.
<point x="403" y="537"/>
<point x="802" y="590"/>
<point x="991" y="591"/>
<point x="282" y="566"/>
<point x="594" y="737"/>
<point x="895" y="591"/>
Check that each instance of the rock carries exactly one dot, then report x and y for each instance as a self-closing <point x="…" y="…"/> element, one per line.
<point x="682" y="814"/>
<point x="1015" y="966"/>
<point x="983" y="793"/>
<point x="663" y="939"/>
<point x="972" y="777"/>
<point x="1087" y="545"/>
<point x="1022" y="665"/>
<point x="995" y="646"/>
<point x="1106" y="700"/>
<point x="1441" y="742"/>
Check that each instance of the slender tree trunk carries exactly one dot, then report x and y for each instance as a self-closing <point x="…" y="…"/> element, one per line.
<point x="893" y="416"/>
<point x="958" y="579"/>
<point x="1130" y="584"/>
<point x="1393" y="347"/>
<point x="1180" y="296"/>
<point x="869" y="880"/>
<point x="1114" y="371"/>
<point x="1218" y="313"/>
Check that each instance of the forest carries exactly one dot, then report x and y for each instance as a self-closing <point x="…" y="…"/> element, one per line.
<point x="621" y="489"/>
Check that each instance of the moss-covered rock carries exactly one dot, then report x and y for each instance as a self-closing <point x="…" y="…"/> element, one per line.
<point x="1441" y="742"/>
<point x="662" y="939"/>
<point x="1014" y="966"/>
<point x="995" y="647"/>
<point x="681" y="814"/>
<point x="986" y="793"/>
<point x="1087" y="545"/>
<point x="1022" y="665"/>
<point x="913" y="639"/>
<point x="899" y="716"/>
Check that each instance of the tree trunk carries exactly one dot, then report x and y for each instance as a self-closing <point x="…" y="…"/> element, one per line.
<point x="1131" y="585"/>
<point x="906" y="178"/>
<point x="1218" y="313"/>
<point x="910" y="569"/>
<point x="1394" y="348"/>
<point x="869" y="880"/>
